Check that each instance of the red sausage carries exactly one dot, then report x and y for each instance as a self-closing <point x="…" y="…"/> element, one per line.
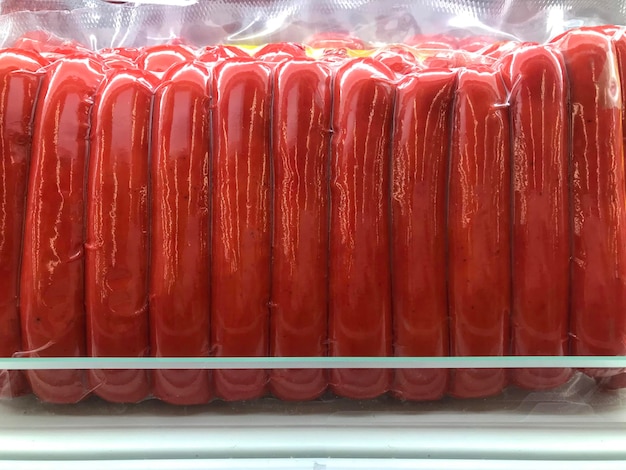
<point x="52" y="275"/>
<point x="535" y="77"/>
<point x="479" y="223"/>
<point x="476" y="43"/>
<point x="129" y="53"/>
<point x="240" y="274"/>
<point x="421" y="145"/>
<point x="400" y="59"/>
<point x="179" y="274"/>
<point x="280" y="51"/>
<point x="618" y="38"/>
<point x="158" y="59"/>
<point x="19" y="85"/>
<point x="116" y="262"/>
<point x="215" y="53"/>
<point x="500" y="49"/>
<point x="301" y="129"/>
<point x="598" y="321"/>
<point x="360" y="277"/>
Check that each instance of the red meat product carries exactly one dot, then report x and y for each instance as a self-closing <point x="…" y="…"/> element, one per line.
<point x="400" y="59"/>
<point x="116" y="262"/>
<point x="19" y="85"/>
<point x="215" y="53"/>
<point x="503" y="48"/>
<point x="158" y="59"/>
<point x="301" y="127"/>
<point x="476" y="43"/>
<point x="180" y="252"/>
<point x="360" y="274"/>
<point x="618" y="38"/>
<point x="479" y="224"/>
<point x="240" y="275"/>
<point x="52" y="273"/>
<point x="421" y="146"/>
<point x="598" y="303"/>
<point x="535" y="77"/>
<point x="280" y="51"/>
<point x="129" y="53"/>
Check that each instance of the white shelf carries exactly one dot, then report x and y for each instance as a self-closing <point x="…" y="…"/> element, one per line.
<point x="315" y="464"/>
<point x="575" y="423"/>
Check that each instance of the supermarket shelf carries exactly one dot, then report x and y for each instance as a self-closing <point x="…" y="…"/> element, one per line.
<point x="575" y="422"/>
<point x="315" y="464"/>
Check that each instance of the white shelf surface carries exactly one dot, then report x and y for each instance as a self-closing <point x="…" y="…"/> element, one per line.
<point x="575" y="423"/>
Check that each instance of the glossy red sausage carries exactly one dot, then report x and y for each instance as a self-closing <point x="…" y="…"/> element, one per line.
<point x="158" y="59"/>
<point x="241" y="222"/>
<point x="360" y="275"/>
<point x="618" y="38"/>
<point x="301" y="133"/>
<point x="215" y="53"/>
<point x="535" y="77"/>
<point x="52" y="275"/>
<point x="129" y="53"/>
<point x="116" y="261"/>
<point x="476" y="43"/>
<point x="400" y="59"/>
<point x="598" y="322"/>
<point x="421" y="146"/>
<point x="180" y="264"/>
<point x="19" y="85"/>
<point x="499" y="49"/>
<point x="479" y="224"/>
<point x="280" y="51"/>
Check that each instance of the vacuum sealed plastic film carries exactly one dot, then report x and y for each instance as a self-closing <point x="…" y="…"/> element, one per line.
<point x="284" y="182"/>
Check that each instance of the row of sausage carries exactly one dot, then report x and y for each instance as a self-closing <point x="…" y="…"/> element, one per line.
<point x="165" y="205"/>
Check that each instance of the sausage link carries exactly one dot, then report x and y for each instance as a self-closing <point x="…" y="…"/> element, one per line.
<point x="535" y="77"/>
<point x="52" y="274"/>
<point x="360" y="273"/>
<point x="479" y="224"/>
<point x="301" y="130"/>
<point x="158" y="59"/>
<point x="180" y="262"/>
<point x="598" y="303"/>
<point x="241" y="222"/>
<point x="277" y="52"/>
<point x="116" y="261"/>
<point x="421" y="146"/>
<point x="19" y="85"/>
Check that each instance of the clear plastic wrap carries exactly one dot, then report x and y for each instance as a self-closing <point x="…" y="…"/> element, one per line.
<point x="235" y="199"/>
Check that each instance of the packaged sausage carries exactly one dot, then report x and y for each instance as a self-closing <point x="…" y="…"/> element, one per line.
<point x="299" y="200"/>
<point x="360" y="271"/>
<point x="479" y="229"/>
<point x="541" y="249"/>
<point x="117" y="223"/>
<point x="19" y="84"/>
<point x="300" y="157"/>
<point x="241" y="238"/>
<point x="420" y="162"/>
<point x="180" y="287"/>
<point x="52" y="293"/>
